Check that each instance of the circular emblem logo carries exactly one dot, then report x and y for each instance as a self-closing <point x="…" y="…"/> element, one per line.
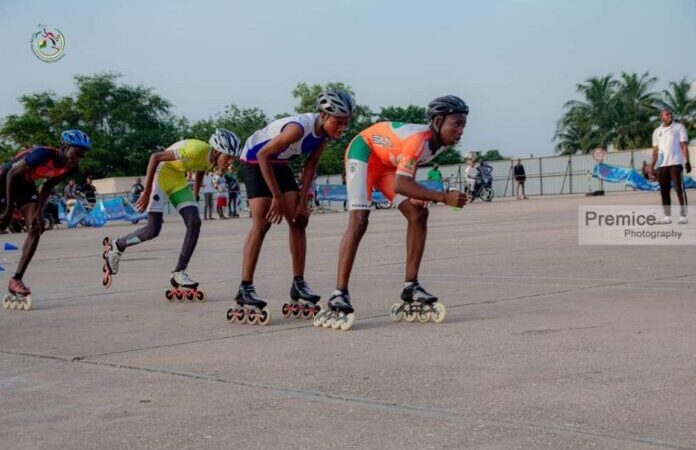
<point x="48" y="44"/>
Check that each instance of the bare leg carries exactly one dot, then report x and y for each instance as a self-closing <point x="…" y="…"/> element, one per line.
<point x="31" y="214"/>
<point x="259" y="228"/>
<point x="416" y="233"/>
<point x="357" y="225"/>
<point x="298" y="235"/>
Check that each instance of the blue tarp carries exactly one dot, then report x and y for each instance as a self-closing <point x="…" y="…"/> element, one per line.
<point x="337" y="192"/>
<point x="106" y="210"/>
<point x="632" y="178"/>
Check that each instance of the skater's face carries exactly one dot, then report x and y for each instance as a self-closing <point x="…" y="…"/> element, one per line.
<point x="334" y="127"/>
<point x="451" y="127"/>
<point x="223" y="162"/>
<point x="73" y="155"/>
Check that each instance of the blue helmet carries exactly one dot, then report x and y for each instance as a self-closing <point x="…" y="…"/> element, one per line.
<point x="76" y="138"/>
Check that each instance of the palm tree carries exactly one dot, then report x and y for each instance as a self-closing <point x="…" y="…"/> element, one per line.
<point x="588" y="123"/>
<point x="682" y="102"/>
<point x="635" y="111"/>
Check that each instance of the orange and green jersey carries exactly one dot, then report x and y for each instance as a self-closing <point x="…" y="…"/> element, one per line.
<point x="402" y="146"/>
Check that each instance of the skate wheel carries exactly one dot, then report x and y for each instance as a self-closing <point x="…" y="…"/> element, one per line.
<point x="307" y="311"/>
<point x="190" y="296"/>
<point x="179" y="296"/>
<point x="13" y="304"/>
<point x="296" y="311"/>
<point x="319" y="319"/>
<point x="6" y="302"/>
<point x="396" y="313"/>
<point x="423" y="316"/>
<point x="106" y="277"/>
<point x="336" y="323"/>
<point x="105" y="253"/>
<point x="265" y="317"/>
<point x="285" y="310"/>
<point x="169" y="295"/>
<point x="106" y="241"/>
<point x="201" y="297"/>
<point x="348" y="322"/>
<point x="242" y="316"/>
<point x="409" y="315"/>
<point x="438" y="312"/>
<point x="230" y="314"/>
<point x="328" y="321"/>
<point x="253" y="318"/>
<point x="27" y="303"/>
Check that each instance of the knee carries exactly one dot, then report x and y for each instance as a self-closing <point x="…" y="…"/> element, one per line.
<point x="360" y="223"/>
<point x="260" y="228"/>
<point x="419" y="216"/>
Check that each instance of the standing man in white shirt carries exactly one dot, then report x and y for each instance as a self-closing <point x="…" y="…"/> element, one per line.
<point x="671" y="145"/>
<point x="472" y="175"/>
<point x="207" y="190"/>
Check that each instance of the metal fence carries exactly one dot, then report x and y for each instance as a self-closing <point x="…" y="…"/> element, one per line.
<point x="547" y="175"/>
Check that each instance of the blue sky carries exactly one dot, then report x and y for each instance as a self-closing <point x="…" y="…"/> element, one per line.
<point x="514" y="62"/>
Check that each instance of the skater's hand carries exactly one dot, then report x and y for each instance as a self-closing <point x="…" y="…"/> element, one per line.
<point x="651" y="173"/>
<point x="419" y="203"/>
<point x="277" y="210"/>
<point x="687" y="166"/>
<point x="143" y="201"/>
<point x="301" y="215"/>
<point x="456" y="199"/>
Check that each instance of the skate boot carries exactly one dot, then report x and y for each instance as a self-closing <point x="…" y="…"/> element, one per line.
<point x="184" y="288"/>
<point x="112" y="257"/>
<point x="251" y="308"/>
<point x="339" y="313"/>
<point x="304" y="301"/>
<point x="19" y="296"/>
<point x="417" y="303"/>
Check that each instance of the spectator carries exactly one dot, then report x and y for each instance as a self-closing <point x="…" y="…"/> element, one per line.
<point x="670" y="144"/>
<point x="220" y="194"/>
<point x="520" y="178"/>
<point x="90" y="191"/>
<point x="233" y="193"/>
<point x="434" y="173"/>
<point x="472" y="175"/>
<point x="136" y="190"/>
<point x="70" y="191"/>
<point x="207" y="191"/>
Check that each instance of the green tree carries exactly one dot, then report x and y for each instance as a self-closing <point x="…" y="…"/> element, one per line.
<point x="682" y="103"/>
<point x="491" y="155"/>
<point x="126" y="123"/>
<point x="635" y="107"/>
<point x="589" y="121"/>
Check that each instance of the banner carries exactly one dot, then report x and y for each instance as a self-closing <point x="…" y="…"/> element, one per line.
<point x="632" y="178"/>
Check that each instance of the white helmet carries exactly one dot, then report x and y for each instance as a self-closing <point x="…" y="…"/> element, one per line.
<point x="336" y="103"/>
<point x="225" y="142"/>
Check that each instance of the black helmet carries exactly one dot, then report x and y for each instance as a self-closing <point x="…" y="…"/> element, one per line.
<point x="449" y="104"/>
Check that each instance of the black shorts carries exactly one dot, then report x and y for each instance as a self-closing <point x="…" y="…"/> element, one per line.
<point x="23" y="191"/>
<point x="256" y="186"/>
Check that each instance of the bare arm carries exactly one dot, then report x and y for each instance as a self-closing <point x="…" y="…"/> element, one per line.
<point x="155" y="160"/>
<point x="310" y="169"/>
<point x="197" y="183"/>
<point x="685" y="151"/>
<point x="408" y="187"/>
